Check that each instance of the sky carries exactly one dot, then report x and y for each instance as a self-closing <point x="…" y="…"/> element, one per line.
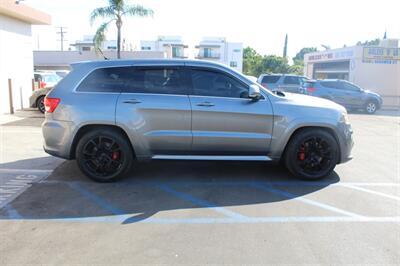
<point x="260" y="24"/>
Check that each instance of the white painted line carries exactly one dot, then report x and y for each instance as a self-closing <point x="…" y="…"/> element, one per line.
<point x="372" y="192"/>
<point x="17" y="171"/>
<point x="368" y="184"/>
<point x="304" y="200"/>
<point x="127" y="218"/>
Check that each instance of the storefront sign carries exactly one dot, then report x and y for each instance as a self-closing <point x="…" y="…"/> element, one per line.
<point x="331" y="55"/>
<point x="381" y="54"/>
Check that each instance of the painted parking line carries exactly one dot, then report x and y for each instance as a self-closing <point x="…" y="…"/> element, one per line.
<point x="13" y="186"/>
<point x="121" y="219"/>
<point x="201" y="202"/>
<point x="372" y="192"/>
<point x="95" y="199"/>
<point x="302" y="199"/>
<point x="29" y="171"/>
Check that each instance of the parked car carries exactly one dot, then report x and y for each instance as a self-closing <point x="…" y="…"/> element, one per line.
<point x="46" y="79"/>
<point x="107" y="113"/>
<point x="37" y="98"/>
<point x="282" y="82"/>
<point x="345" y="93"/>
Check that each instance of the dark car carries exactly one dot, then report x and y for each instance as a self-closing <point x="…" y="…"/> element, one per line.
<point x="345" y="93"/>
<point x="282" y="82"/>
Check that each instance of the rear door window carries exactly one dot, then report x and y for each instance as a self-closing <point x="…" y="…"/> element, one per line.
<point x="270" y="79"/>
<point x="290" y="80"/>
<point x="157" y="80"/>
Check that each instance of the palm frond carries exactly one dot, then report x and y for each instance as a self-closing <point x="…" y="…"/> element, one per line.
<point x="100" y="35"/>
<point x="137" y="11"/>
<point x="102" y="12"/>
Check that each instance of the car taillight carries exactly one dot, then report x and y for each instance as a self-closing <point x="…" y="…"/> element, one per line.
<point x="51" y="104"/>
<point x="42" y="85"/>
<point x="310" y="90"/>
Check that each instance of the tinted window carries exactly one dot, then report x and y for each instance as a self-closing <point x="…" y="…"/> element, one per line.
<point x="105" y="80"/>
<point x="331" y="84"/>
<point x="209" y="83"/>
<point x="157" y="80"/>
<point x="291" y="80"/>
<point x="348" y="86"/>
<point x="135" y="80"/>
<point x="270" y="79"/>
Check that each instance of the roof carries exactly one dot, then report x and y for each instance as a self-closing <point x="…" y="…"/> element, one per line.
<point x="10" y="8"/>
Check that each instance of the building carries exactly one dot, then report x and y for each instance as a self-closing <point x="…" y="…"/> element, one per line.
<point x="87" y="44"/>
<point x="173" y="46"/>
<point x="219" y="50"/>
<point x="375" y="68"/>
<point x="61" y="60"/>
<point x="16" y="57"/>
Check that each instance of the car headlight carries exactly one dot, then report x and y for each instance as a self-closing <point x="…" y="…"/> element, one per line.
<point x="344" y="118"/>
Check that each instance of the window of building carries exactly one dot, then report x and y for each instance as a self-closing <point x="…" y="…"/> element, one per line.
<point x="233" y="64"/>
<point x="85" y="48"/>
<point x="210" y="83"/>
<point x="146" y="48"/>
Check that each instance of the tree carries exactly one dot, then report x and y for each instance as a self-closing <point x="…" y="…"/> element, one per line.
<point x="114" y="12"/>
<point x="369" y="43"/>
<point x="285" y="47"/>
<point x="300" y="55"/>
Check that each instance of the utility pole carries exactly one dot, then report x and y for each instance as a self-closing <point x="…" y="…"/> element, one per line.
<point x="62" y="32"/>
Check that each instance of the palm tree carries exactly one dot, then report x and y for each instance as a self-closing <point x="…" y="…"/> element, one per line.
<point x="115" y="11"/>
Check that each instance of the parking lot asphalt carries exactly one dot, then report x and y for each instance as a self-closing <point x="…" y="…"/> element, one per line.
<point x="171" y="212"/>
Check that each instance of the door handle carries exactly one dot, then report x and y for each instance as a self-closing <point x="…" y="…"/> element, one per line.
<point x="132" y="101"/>
<point x="206" y="104"/>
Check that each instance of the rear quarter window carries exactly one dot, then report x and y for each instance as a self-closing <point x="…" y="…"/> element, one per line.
<point x="111" y="79"/>
<point x="270" y="79"/>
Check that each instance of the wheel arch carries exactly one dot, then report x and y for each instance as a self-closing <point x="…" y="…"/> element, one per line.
<point x="302" y="128"/>
<point x="87" y="128"/>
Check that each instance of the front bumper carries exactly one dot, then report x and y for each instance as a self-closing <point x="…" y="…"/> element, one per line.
<point x="346" y="142"/>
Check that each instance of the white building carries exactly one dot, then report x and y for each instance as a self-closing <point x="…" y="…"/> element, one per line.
<point x="375" y="68"/>
<point x="16" y="46"/>
<point x="87" y="44"/>
<point x="173" y="46"/>
<point x="219" y="50"/>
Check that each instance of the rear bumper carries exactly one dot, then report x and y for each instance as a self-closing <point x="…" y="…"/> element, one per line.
<point x="58" y="136"/>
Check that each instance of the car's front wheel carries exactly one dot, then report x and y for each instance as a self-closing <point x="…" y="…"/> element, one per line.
<point x="40" y="104"/>
<point x="312" y="154"/>
<point x="104" y="155"/>
<point x="371" y="107"/>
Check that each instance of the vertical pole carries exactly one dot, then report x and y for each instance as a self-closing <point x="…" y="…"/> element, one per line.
<point x="10" y="96"/>
<point x="20" y="97"/>
<point x="33" y="84"/>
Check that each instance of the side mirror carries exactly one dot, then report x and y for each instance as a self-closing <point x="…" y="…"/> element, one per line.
<point x="254" y="92"/>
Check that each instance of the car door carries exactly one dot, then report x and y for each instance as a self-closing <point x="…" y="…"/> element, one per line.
<point x="224" y="120"/>
<point x="333" y="90"/>
<point x="155" y="109"/>
<point x="353" y="95"/>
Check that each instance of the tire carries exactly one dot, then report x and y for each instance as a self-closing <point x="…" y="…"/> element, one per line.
<point x="311" y="154"/>
<point x="40" y="104"/>
<point x="104" y="155"/>
<point x="371" y="107"/>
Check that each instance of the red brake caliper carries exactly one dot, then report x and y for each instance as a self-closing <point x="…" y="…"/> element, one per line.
<point x="301" y="153"/>
<point x="115" y="155"/>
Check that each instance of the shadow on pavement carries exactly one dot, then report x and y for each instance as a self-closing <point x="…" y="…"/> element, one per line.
<point x="158" y="186"/>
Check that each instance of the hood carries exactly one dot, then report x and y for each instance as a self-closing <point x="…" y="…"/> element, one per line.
<point x="311" y="101"/>
<point x="372" y="93"/>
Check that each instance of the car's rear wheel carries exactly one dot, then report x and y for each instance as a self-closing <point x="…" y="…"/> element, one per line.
<point x="312" y="154"/>
<point x="371" y="107"/>
<point x="40" y="104"/>
<point x="104" y="155"/>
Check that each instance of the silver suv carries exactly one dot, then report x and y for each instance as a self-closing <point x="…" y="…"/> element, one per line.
<point x="106" y="114"/>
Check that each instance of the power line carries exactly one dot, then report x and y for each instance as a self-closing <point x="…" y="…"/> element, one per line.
<point x="62" y="32"/>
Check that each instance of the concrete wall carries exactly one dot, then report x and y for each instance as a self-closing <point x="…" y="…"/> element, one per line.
<point x="16" y="62"/>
